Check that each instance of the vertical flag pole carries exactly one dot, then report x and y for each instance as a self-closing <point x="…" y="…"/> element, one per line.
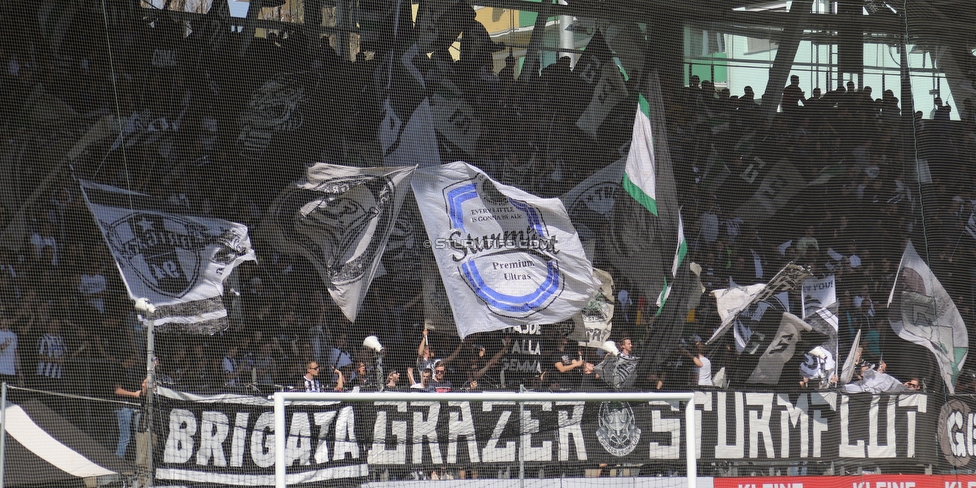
<point x="3" y="430"/>
<point x="148" y="309"/>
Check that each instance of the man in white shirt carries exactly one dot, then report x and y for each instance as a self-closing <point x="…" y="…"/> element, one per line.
<point x="231" y="366"/>
<point x="9" y="358"/>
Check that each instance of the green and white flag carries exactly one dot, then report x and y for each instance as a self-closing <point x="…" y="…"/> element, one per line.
<point x="682" y="251"/>
<point x="643" y="230"/>
<point x="679" y="257"/>
<point x="639" y="178"/>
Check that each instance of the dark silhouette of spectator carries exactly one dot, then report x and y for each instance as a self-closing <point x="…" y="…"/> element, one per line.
<point x="792" y="96"/>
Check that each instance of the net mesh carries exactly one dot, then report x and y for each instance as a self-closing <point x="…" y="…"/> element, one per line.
<point x="768" y="203"/>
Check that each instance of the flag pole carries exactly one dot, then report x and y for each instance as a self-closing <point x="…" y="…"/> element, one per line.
<point x="3" y="431"/>
<point x="958" y="239"/>
<point x="148" y="309"/>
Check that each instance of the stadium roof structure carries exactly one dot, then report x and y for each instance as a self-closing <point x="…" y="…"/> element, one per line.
<point x="938" y="22"/>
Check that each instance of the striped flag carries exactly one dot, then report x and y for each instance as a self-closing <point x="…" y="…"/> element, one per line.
<point x="682" y="251"/>
<point x="644" y="229"/>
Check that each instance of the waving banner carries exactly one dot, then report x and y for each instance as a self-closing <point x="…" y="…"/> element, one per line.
<point x="340" y="218"/>
<point x="733" y="301"/>
<point x="921" y="311"/>
<point x="506" y="257"/>
<point x="177" y="262"/>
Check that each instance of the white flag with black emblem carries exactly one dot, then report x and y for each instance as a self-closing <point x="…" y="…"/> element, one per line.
<point x="340" y="218"/>
<point x="921" y="311"/>
<point x="506" y="257"/>
<point x="178" y="262"/>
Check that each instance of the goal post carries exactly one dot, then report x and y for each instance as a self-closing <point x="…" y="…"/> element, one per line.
<point x="686" y="399"/>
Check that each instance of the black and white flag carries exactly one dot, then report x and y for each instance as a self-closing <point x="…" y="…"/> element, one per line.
<point x="778" y="185"/>
<point x="920" y="310"/>
<point x="733" y="301"/>
<point x="593" y="323"/>
<point x="598" y="70"/>
<point x="780" y="350"/>
<point x="506" y="257"/>
<point x="406" y="133"/>
<point x="454" y="118"/>
<point x="819" y="293"/>
<point x="178" y="262"/>
<point x="340" y="218"/>
<point x="820" y="308"/>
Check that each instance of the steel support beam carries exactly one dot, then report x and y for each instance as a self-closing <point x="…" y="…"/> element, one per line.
<point x="789" y="42"/>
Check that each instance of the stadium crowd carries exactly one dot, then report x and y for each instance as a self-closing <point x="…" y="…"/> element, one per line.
<point x="68" y="326"/>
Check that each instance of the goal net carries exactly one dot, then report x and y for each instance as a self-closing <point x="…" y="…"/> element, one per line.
<point x="485" y="439"/>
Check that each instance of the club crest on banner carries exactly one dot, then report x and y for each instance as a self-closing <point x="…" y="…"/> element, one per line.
<point x="618" y="432"/>
<point x="176" y="261"/>
<point x="274" y="107"/>
<point x="483" y="236"/>
<point x="330" y="224"/>
<point x="163" y="250"/>
<point x="955" y="440"/>
<point x="339" y="218"/>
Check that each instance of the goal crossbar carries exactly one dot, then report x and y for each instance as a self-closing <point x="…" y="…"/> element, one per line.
<point x="280" y="398"/>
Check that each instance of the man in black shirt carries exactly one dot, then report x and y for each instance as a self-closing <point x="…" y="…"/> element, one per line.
<point x="440" y="383"/>
<point x="392" y="381"/>
<point x="567" y="368"/>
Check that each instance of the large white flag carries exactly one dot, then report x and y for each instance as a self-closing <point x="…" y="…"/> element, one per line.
<point x="506" y="257"/>
<point x="920" y="311"/>
<point x="178" y="262"/>
<point x="340" y="218"/>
